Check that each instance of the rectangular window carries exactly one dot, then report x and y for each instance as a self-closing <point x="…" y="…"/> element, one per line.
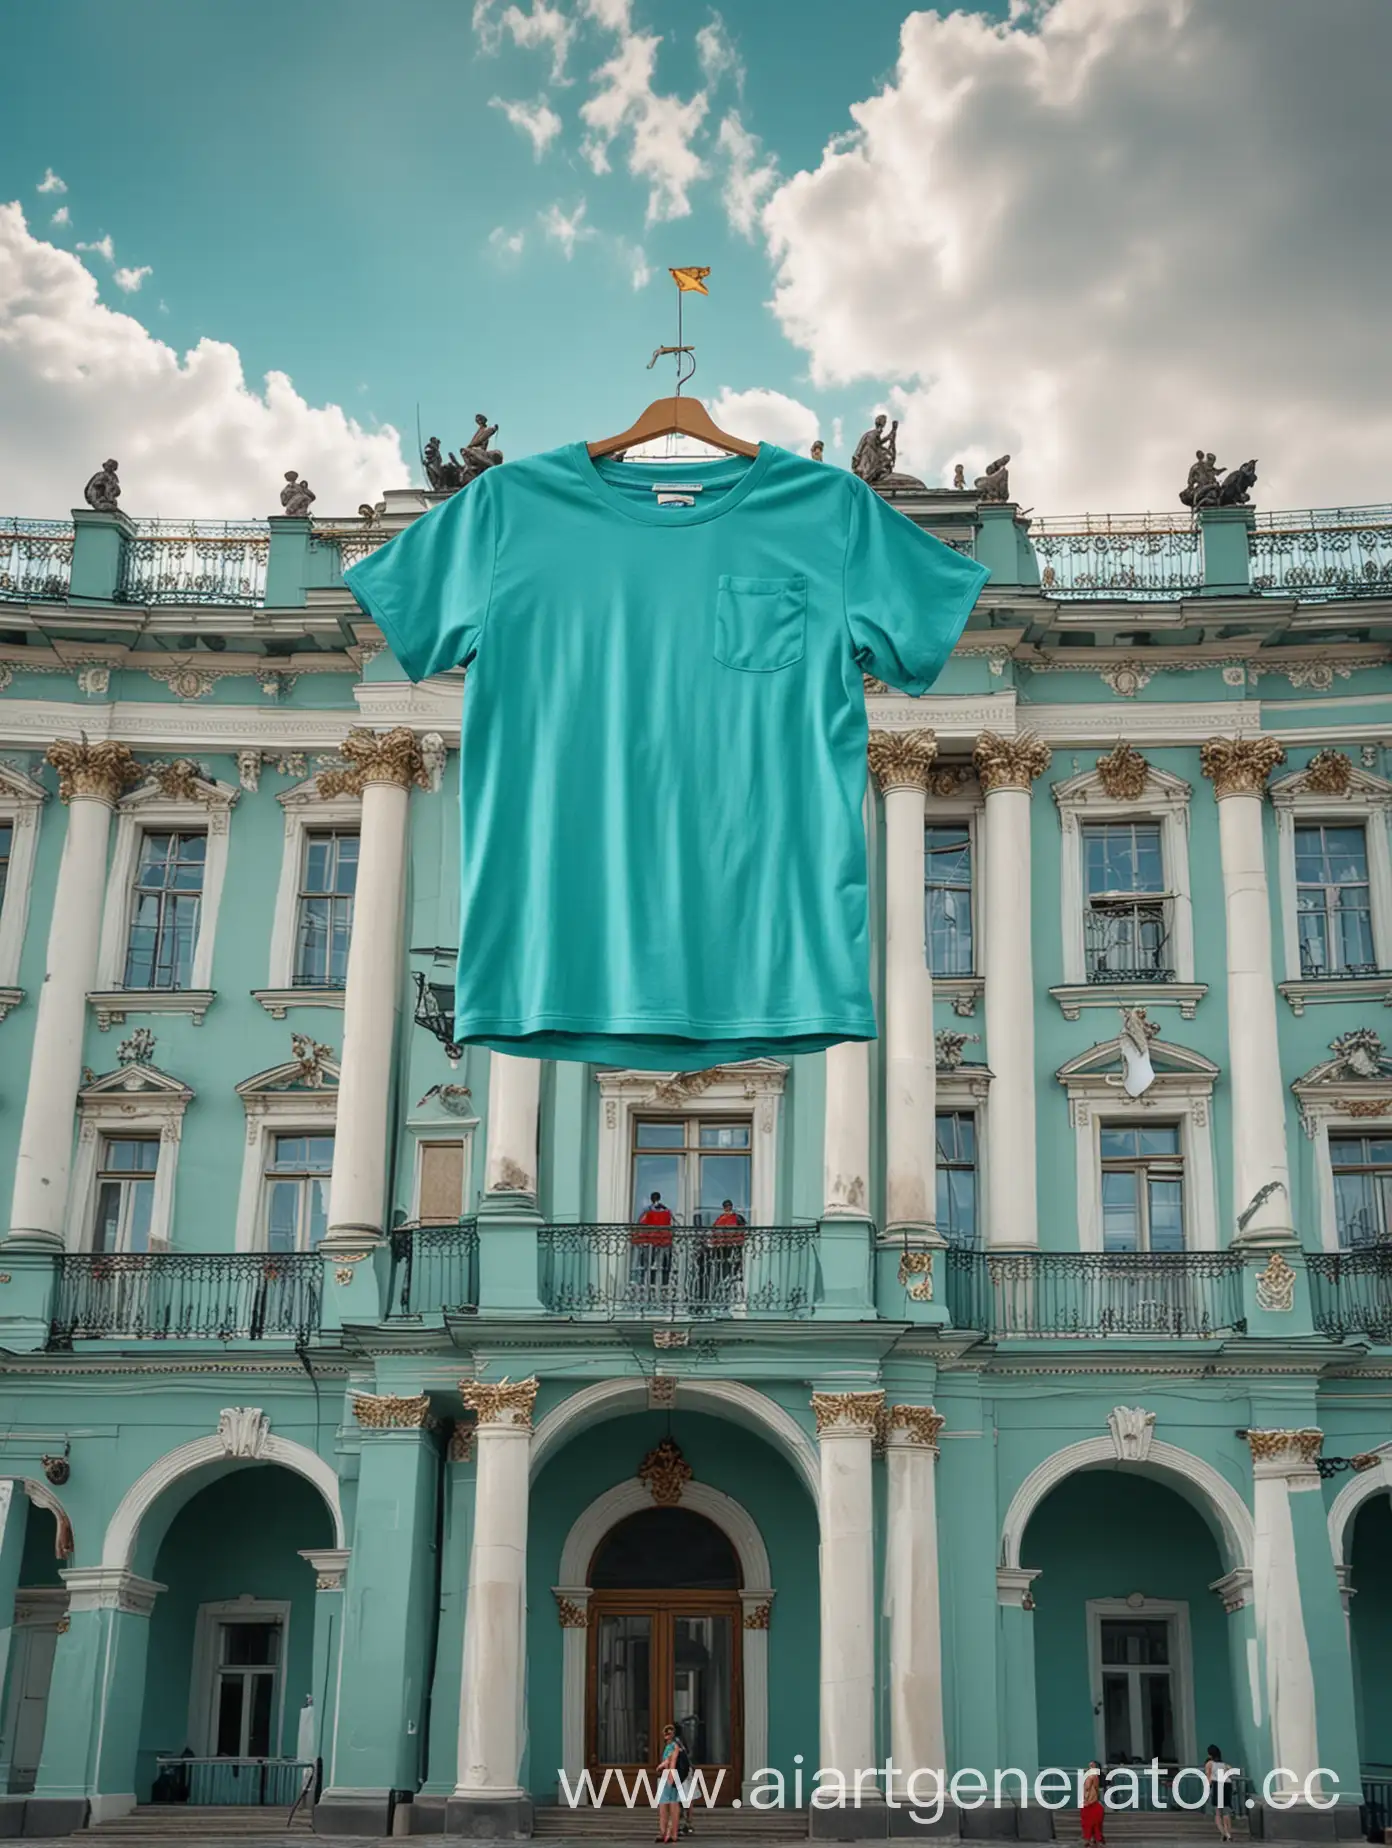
<point x="957" y="1176"/>
<point x="324" y="924"/>
<point x="947" y="879"/>
<point x="244" y="1691"/>
<point x="695" y="1165"/>
<point x="1362" y="1187"/>
<point x="1127" y="925"/>
<point x="441" y="1183"/>
<point x="297" y="1191"/>
<point x="6" y="852"/>
<point x="125" y="1193"/>
<point x="165" y="905"/>
<point x="1333" y="900"/>
<point x="1142" y="1188"/>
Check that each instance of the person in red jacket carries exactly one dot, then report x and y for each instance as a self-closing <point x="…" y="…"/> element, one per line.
<point x="651" y="1268"/>
<point x="722" y="1260"/>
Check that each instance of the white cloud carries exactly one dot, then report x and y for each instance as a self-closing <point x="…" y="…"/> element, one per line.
<point x="748" y="180"/>
<point x="506" y="245"/>
<point x="613" y="15"/>
<point x="61" y="217"/>
<point x="765" y="415"/>
<point x="542" y="28"/>
<point x="131" y="279"/>
<point x="635" y="260"/>
<point x="79" y="381"/>
<point x="1105" y="233"/>
<point x="661" y="127"/>
<point x="50" y="183"/>
<point x="716" y="52"/>
<point x="103" y="247"/>
<point x="538" y="121"/>
<point x="566" y="231"/>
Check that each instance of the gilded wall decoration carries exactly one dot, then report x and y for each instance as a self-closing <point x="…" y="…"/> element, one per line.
<point x="508" y="1402"/>
<point x="916" y="1275"/>
<point x="1329" y="773"/>
<point x="1010" y="763"/>
<point x="381" y="1411"/>
<point x="848" y="1411"/>
<point x="1275" y="1285"/>
<point x="1239" y="766"/>
<point x="666" y="1472"/>
<point x="758" y="1618"/>
<point x="902" y="760"/>
<point x="920" y="1424"/>
<point x="1300" y="1447"/>
<point x="1123" y="773"/>
<point x="105" y="770"/>
<point x="377" y="757"/>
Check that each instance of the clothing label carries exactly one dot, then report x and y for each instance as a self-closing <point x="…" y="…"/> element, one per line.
<point x="677" y="487"/>
<point x="675" y="500"/>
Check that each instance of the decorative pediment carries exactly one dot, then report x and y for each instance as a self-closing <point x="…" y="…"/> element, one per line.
<point x="1331" y="776"/>
<point x="1122" y="779"/>
<point x="313" y="1068"/>
<point x="1104" y="1061"/>
<point x="16" y="786"/>
<point x="750" y="1078"/>
<point x="1355" y="1083"/>
<point x="133" y="1082"/>
<point x="181" y="780"/>
<point x="307" y="794"/>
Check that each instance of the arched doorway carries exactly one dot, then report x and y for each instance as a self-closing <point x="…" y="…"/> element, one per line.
<point x="665" y="1637"/>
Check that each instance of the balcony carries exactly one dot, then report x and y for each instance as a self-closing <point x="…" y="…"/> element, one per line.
<point x="434" y="1268"/>
<point x="186" y="1296"/>
<point x="1127" y="939"/>
<point x="1118" y="556"/>
<point x="703" y="1274"/>
<point x="1351" y="1291"/>
<point x="35" y="560"/>
<point x="1080" y="1295"/>
<point x="221" y="562"/>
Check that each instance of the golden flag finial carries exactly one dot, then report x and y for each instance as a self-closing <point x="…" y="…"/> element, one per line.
<point x="690" y="280"/>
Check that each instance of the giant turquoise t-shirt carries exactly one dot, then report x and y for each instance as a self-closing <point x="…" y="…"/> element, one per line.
<point x="663" y="744"/>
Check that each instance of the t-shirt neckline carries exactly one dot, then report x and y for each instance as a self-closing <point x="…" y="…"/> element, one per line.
<point x="649" y="513"/>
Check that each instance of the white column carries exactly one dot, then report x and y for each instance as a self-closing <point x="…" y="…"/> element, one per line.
<point x="384" y="765"/>
<point x="491" y="1712"/>
<point x="846" y="1134"/>
<point x="1283" y="1462"/>
<point x="846" y="1424"/>
<point x="1239" y="768"/>
<point x="916" y="1734"/>
<point x="514" y="1097"/>
<point x="91" y="778"/>
<point x="901" y="762"/>
<point x="1007" y="768"/>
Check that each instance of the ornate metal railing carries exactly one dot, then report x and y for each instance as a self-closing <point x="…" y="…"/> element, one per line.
<point x="1327" y="552"/>
<point x="187" y="1296"/>
<point x="704" y="1272"/>
<point x="196" y="561"/>
<point x="35" y="560"/>
<point x="433" y="1267"/>
<point x="1078" y="1294"/>
<point x="1128" y="940"/>
<point x="1351" y="1291"/>
<point x="1118" y="555"/>
<point x="351" y="539"/>
<point x="227" y="1783"/>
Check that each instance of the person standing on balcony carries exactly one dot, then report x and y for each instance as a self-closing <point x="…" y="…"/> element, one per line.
<point x="652" y="1248"/>
<point x="1092" y="1815"/>
<point x="722" y="1260"/>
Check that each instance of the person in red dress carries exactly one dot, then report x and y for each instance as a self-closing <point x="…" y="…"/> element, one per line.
<point x="651" y="1239"/>
<point x="1093" y="1815"/>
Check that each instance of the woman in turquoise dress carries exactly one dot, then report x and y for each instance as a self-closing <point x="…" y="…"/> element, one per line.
<point x="668" y="1789"/>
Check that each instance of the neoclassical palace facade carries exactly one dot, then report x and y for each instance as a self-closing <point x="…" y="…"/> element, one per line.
<point x="1013" y="1391"/>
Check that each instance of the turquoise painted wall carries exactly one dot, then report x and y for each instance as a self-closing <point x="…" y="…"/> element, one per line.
<point x="238" y="1537"/>
<point x="1370" y="1622"/>
<point x="1099" y="1535"/>
<point x="741" y="1466"/>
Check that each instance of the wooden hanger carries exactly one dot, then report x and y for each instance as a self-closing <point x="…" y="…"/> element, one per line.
<point x="673" y="417"/>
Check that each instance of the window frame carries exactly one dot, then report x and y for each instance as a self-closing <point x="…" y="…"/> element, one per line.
<point x="1174" y="1611"/>
<point x="21" y="804"/>
<point x="276" y="1103"/>
<point x="1083" y="799"/>
<point x="1367" y="804"/>
<point x="965" y="809"/>
<point x="690" y="1151"/>
<point x="125" y="1181"/>
<point x="977" y="1168"/>
<point x="304" y="895"/>
<point x="1144" y="1168"/>
<point x="306" y="812"/>
<point x="167" y="898"/>
<point x="304" y="1178"/>
<point x="202" y="1710"/>
<point x="134" y="1101"/>
<point x="1367" y="1133"/>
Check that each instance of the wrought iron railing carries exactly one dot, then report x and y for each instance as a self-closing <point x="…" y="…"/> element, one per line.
<point x="196" y="561"/>
<point x="353" y="540"/>
<point x="1128" y="940"/>
<point x="187" y="1296"/>
<point x="1375" y="1812"/>
<point x="1118" y="555"/>
<point x="1174" y="1295"/>
<point x="433" y="1267"/>
<point x="1327" y="552"/>
<point x="232" y="1783"/>
<point x="35" y="560"/>
<point x="1351" y="1291"/>
<point x="703" y="1272"/>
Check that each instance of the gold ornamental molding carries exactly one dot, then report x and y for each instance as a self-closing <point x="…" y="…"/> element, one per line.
<point x="902" y="760"/>
<point x="1275" y="1285"/>
<point x="1329" y="773"/>
<point x="1010" y="763"/>
<point x="666" y="1472"/>
<point x="758" y="1617"/>
<point x="1295" y="1451"/>
<point x="1239" y="766"/>
<point x="384" y="1411"/>
<point x="916" y="1275"/>
<point x="848" y="1411"/>
<point x="461" y="1442"/>
<point x="376" y="757"/>
<point x="917" y="1424"/>
<point x="1123" y="773"/>
<point x="508" y="1402"/>
<point x="104" y="771"/>
<point x="573" y="1616"/>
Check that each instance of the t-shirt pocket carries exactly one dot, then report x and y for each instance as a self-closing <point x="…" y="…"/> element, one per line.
<point x="760" y="623"/>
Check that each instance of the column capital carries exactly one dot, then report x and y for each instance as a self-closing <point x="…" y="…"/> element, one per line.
<point x="392" y="757"/>
<point x="330" y="1565"/>
<point x="1239" y="766"/>
<point x="848" y="1414"/>
<point x="914" y="1427"/>
<point x="102" y="771"/>
<point x="1285" y="1453"/>
<point x="902" y="759"/>
<point x="506" y="1403"/>
<point x="1010" y="763"/>
<point x="384" y="1411"/>
<point x="110" y="1588"/>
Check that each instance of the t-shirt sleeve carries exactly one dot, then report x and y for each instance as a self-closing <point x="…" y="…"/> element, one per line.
<point x="908" y="595"/>
<point x="429" y="589"/>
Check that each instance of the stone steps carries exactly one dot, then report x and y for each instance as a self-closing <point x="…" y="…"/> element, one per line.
<point x="615" y="1823"/>
<point x="1136" y="1826"/>
<point x="163" y="1822"/>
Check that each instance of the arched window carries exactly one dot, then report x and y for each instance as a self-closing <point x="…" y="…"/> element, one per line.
<point x="665" y="1549"/>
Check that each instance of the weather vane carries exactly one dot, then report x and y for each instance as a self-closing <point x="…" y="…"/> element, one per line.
<point x="689" y="281"/>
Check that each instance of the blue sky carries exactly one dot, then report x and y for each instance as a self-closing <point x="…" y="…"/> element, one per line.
<point x="1009" y="232"/>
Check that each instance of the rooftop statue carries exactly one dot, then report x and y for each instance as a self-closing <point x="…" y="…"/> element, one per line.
<point x="818" y="450"/>
<point x="103" y="491"/>
<point x="1209" y="486"/>
<point x="876" y="455"/>
<point x="296" y="497"/>
<point x="959" y="477"/>
<point x="447" y="477"/>
<point x="994" y="485"/>
<point x="1238" y="484"/>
